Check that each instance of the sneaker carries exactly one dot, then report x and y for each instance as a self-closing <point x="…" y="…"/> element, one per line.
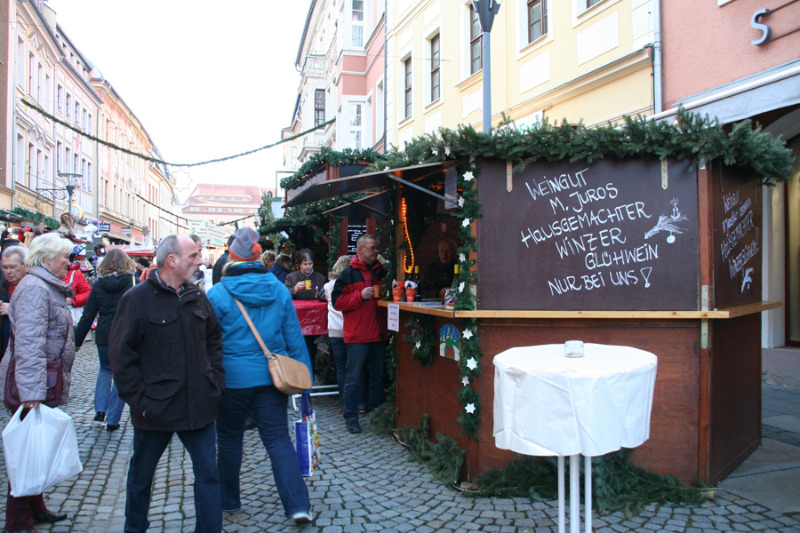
<point x="100" y="417"/>
<point x="353" y="427"/>
<point x="112" y="427"/>
<point x="303" y="517"/>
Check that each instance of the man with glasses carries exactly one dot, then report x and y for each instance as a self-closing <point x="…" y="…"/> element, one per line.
<point x="13" y="266"/>
<point x="364" y="333"/>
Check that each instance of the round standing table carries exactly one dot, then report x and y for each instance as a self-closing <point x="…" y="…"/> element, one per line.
<point x="546" y="404"/>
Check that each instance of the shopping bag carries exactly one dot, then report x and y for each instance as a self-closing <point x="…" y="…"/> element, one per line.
<point x="40" y="451"/>
<point x="307" y="438"/>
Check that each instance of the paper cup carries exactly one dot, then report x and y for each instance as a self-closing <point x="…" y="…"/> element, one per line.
<point x="410" y="293"/>
<point x="308" y="284"/>
<point x="376" y="291"/>
<point x="397" y="293"/>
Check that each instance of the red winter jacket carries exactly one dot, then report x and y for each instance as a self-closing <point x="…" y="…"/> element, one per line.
<point x="362" y="318"/>
<point x="77" y="281"/>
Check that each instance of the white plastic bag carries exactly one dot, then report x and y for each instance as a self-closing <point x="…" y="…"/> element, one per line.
<point x="40" y="451"/>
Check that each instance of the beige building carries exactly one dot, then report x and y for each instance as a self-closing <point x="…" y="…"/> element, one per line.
<point x="579" y="60"/>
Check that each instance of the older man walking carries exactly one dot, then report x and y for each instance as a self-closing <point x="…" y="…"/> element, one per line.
<point x="165" y="349"/>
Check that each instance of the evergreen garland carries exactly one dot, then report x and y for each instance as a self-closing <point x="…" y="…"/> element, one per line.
<point x="40" y="218"/>
<point x="470" y="366"/>
<point x="422" y="338"/>
<point x="333" y="239"/>
<point x="327" y="156"/>
<point x="445" y="459"/>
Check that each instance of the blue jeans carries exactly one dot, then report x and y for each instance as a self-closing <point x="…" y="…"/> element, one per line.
<point x="269" y="412"/>
<point x="358" y="355"/>
<point x="340" y="360"/>
<point x="148" y="446"/>
<point x="106" y="399"/>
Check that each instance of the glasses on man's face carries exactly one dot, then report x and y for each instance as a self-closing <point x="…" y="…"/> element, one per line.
<point x="370" y="248"/>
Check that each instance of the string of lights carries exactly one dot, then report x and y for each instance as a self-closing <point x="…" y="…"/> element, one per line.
<point x="161" y="161"/>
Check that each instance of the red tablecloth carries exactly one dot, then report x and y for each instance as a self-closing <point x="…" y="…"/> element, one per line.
<point x="313" y="316"/>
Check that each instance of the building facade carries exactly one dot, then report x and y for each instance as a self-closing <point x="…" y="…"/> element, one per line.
<point x="341" y="61"/>
<point x="749" y="69"/>
<point x="583" y="60"/>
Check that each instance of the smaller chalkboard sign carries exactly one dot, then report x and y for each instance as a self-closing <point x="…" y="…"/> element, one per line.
<point x="355" y="228"/>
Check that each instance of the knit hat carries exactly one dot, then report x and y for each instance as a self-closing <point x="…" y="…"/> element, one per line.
<point x="245" y="247"/>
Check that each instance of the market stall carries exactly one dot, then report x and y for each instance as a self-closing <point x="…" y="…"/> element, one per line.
<point x="638" y="236"/>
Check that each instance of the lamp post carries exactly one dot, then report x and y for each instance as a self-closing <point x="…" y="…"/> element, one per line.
<point x="70" y="178"/>
<point x="486" y="9"/>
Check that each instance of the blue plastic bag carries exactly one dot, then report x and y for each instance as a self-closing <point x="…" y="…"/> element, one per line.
<point x="306" y="438"/>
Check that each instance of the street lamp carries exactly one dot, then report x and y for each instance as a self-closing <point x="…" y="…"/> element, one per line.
<point x="71" y="178"/>
<point x="486" y="9"/>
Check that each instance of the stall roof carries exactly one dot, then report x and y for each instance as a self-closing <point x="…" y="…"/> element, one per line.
<point x="379" y="181"/>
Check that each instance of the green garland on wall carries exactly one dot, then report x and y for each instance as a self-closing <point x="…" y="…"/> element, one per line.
<point x="470" y="365"/>
<point x="327" y="156"/>
<point x="422" y="338"/>
<point x="333" y="240"/>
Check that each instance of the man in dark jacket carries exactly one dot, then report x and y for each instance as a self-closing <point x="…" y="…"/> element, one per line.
<point x="13" y="269"/>
<point x="165" y="348"/>
<point x="363" y="332"/>
<point x="216" y="272"/>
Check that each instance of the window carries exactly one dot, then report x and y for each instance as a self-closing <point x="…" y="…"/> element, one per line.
<point x="40" y="86"/>
<point x="60" y="98"/>
<point x="319" y="107"/>
<point x="88" y="176"/>
<point x="21" y="63"/>
<point x="475" y="42"/>
<point x="68" y="160"/>
<point x="435" y="59"/>
<point x="358" y="24"/>
<point x="77" y="113"/>
<point x="31" y="74"/>
<point x="407" y="87"/>
<point x="356" y="122"/>
<point x="89" y="125"/>
<point x="59" y="157"/>
<point x="69" y="106"/>
<point x="537" y="19"/>
<point x="85" y="121"/>
<point x="590" y="3"/>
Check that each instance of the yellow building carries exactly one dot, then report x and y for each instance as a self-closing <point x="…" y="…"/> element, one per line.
<point x="579" y="60"/>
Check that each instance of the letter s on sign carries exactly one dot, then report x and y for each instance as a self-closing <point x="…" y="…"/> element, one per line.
<point x="766" y="31"/>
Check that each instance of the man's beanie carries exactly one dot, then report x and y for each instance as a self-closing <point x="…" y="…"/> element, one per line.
<point x="245" y="247"/>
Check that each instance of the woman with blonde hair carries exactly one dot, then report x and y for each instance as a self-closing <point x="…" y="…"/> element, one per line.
<point x="115" y="276"/>
<point x="268" y="258"/>
<point x="41" y="331"/>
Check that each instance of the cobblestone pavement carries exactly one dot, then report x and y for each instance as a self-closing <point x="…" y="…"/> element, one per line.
<point x="366" y="484"/>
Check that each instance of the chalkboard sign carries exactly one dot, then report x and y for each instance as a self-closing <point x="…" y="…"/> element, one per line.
<point x="737" y="212"/>
<point x="355" y="227"/>
<point x="610" y="235"/>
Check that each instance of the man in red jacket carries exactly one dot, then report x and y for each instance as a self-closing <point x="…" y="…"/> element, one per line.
<point x="363" y="332"/>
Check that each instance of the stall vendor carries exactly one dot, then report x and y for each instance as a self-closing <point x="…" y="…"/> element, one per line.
<point x="305" y="284"/>
<point x="438" y="276"/>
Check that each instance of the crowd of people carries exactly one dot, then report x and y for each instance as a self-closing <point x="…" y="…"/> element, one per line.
<point x="173" y="343"/>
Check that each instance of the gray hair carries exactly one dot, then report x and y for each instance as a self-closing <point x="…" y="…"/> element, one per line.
<point x="19" y="251"/>
<point x="47" y="247"/>
<point x="168" y="245"/>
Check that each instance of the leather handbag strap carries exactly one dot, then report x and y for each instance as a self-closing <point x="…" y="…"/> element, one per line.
<point x="253" y="329"/>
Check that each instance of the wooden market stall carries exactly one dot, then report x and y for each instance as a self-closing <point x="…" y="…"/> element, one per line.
<point x="658" y="253"/>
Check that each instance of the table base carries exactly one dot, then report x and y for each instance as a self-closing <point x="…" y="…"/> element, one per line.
<point x="575" y="494"/>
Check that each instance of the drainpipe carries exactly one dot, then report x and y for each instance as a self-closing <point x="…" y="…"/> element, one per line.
<point x="657" y="74"/>
<point x="385" y="70"/>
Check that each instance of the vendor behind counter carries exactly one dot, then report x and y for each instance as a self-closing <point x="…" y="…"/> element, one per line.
<point x="438" y="276"/>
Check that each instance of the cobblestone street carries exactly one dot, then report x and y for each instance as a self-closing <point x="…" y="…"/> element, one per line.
<point x="366" y="484"/>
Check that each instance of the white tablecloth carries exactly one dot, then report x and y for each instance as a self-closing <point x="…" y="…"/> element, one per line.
<point x="548" y="404"/>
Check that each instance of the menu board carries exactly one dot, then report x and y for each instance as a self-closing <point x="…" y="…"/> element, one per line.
<point x="737" y="209"/>
<point x="355" y="227"/>
<point x="609" y="235"/>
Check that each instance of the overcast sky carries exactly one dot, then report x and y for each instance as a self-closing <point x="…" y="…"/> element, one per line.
<point x="206" y="79"/>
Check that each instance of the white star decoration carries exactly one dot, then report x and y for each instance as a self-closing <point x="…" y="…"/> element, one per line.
<point x="435" y="151"/>
<point x="447" y="150"/>
<point x="461" y="287"/>
<point x="468" y="175"/>
<point x="462" y="258"/>
<point x="465" y="222"/>
<point x="461" y="202"/>
<point x="418" y="345"/>
<point x="465" y="381"/>
<point x="468" y="334"/>
<point x="472" y="364"/>
<point x="470" y="408"/>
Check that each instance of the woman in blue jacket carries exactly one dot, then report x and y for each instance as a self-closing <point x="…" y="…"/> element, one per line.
<point x="248" y="385"/>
